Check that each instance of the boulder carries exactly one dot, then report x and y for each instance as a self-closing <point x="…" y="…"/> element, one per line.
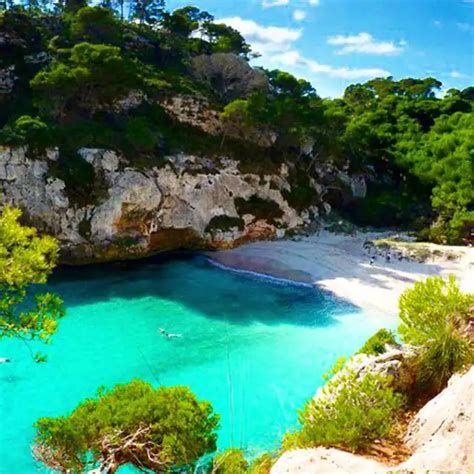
<point x="324" y="461"/>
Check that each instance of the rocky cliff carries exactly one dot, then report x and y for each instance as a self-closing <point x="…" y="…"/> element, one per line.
<point x="440" y="437"/>
<point x="185" y="202"/>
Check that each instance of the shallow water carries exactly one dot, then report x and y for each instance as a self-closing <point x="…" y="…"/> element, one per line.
<point x="256" y="348"/>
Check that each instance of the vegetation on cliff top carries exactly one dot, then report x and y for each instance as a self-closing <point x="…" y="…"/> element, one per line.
<point x="70" y="68"/>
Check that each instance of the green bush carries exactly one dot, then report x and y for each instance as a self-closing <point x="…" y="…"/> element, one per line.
<point x="376" y="343"/>
<point x="230" y="461"/>
<point x="95" y="25"/>
<point x="353" y="413"/>
<point x="433" y="315"/>
<point x="26" y="130"/>
<point x="140" y="135"/>
<point x="262" y="465"/>
<point x="156" y="429"/>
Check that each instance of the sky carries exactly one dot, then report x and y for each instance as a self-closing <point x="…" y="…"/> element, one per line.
<point x="334" y="43"/>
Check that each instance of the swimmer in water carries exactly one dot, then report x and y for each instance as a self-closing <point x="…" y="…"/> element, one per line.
<point x="4" y="360"/>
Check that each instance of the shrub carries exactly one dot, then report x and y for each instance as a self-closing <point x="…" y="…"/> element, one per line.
<point x="95" y="25"/>
<point x="140" y="135"/>
<point x="26" y="130"/>
<point x="375" y="345"/>
<point x="352" y="413"/>
<point x="134" y="423"/>
<point x="262" y="464"/>
<point x="230" y="461"/>
<point x="433" y="315"/>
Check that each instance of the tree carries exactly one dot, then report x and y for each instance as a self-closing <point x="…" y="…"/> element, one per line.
<point x="91" y="77"/>
<point x="147" y="11"/>
<point x="186" y="20"/>
<point x="433" y="316"/>
<point x="95" y="25"/>
<point x="225" y="39"/>
<point x="26" y="259"/>
<point x="156" y="429"/>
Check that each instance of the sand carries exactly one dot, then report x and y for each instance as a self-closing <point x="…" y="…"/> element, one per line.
<point x="340" y="264"/>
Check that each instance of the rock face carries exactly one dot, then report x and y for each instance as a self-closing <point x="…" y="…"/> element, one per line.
<point x="190" y="201"/>
<point x="440" y="435"/>
<point x="324" y="461"/>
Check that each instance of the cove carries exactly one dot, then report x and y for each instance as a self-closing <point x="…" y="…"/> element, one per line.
<point x="255" y="347"/>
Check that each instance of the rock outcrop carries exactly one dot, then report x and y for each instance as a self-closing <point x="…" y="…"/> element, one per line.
<point x="189" y="201"/>
<point x="440" y="436"/>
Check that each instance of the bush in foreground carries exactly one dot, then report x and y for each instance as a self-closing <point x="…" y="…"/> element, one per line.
<point x="352" y="413"/>
<point x="433" y="316"/>
<point x="156" y="429"/>
<point x="230" y="461"/>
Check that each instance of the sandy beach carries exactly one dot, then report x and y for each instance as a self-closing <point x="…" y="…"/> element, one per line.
<point x="340" y="264"/>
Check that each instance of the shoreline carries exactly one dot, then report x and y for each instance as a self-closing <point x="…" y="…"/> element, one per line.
<point x="340" y="264"/>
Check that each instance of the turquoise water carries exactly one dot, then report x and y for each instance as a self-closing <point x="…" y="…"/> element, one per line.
<point x="254" y="347"/>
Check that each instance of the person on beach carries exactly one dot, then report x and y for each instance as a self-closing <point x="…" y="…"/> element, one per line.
<point x="388" y="257"/>
<point x="372" y="260"/>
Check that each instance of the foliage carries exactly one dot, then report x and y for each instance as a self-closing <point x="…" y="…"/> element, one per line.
<point x="354" y="412"/>
<point x="95" y="25"/>
<point x="26" y="259"/>
<point x="376" y="343"/>
<point x="92" y="76"/>
<point x="262" y="464"/>
<point x="433" y="315"/>
<point x="26" y="130"/>
<point x="336" y="367"/>
<point x="230" y="461"/>
<point x="156" y="429"/>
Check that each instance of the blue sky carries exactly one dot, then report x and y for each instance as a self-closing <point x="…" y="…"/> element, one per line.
<point x="334" y="43"/>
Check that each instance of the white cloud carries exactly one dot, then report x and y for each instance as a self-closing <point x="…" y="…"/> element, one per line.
<point x="457" y="74"/>
<point x="466" y="27"/>
<point x="365" y="43"/>
<point x="276" y="46"/>
<point x="264" y="39"/>
<point x="274" y="3"/>
<point x="281" y="3"/>
<point x="437" y="23"/>
<point x="293" y="58"/>
<point x="299" y="15"/>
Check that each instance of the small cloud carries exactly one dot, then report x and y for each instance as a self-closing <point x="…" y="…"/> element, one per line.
<point x="315" y="3"/>
<point x="263" y="39"/>
<point x="437" y="23"/>
<point x="299" y="15"/>
<point x="457" y="74"/>
<point x="274" y="3"/>
<point x="468" y="27"/>
<point x="366" y="44"/>
<point x="293" y="58"/>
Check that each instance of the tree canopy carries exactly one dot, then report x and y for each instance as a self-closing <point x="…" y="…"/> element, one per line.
<point x="157" y="429"/>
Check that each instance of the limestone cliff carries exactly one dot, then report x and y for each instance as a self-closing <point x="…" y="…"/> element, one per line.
<point x="185" y="202"/>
